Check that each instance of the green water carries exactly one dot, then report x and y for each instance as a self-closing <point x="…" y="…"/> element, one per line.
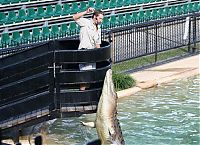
<point x="166" y="115"/>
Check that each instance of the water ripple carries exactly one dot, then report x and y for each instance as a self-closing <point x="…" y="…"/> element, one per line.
<point x="167" y="115"/>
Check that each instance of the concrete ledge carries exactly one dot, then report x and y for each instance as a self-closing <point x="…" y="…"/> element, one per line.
<point x="128" y="92"/>
<point x="147" y="84"/>
<point x="152" y="77"/>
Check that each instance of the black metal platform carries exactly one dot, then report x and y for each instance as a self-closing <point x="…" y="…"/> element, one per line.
<point x="42" y="82"/>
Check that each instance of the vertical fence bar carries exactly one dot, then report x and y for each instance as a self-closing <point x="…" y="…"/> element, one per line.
<point x="171" y="34"/>
<point x="180" y="33"/>
<point x="194" y="34"/>
<point x="131" y="38"/>
<point x="51" y="88"/>
<point x="110" y="39"/>
<point x="189" y="36"/>
<point x="162" y="36"/>
<point x="57" y="86"/>
<point x="176" y="24"/>
<point x="127" y="46"/>
<point x="156" y="41"/>
<point x="123" y="44"/>
<point x="135" y="46"/>
<point x="147" y="37"/>
<point x="166" y="42"/>
<point x="137" y="42"/>
<point x="132" y="43"/>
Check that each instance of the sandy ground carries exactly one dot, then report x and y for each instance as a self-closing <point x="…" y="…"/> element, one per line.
<point x="162" y="74"/>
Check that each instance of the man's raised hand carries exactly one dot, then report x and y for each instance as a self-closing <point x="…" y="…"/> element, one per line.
<point x="90" y="10"/>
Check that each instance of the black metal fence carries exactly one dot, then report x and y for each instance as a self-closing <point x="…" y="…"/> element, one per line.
<point x="43" y="82"/>
<point x="131" y="39"/>
<point x="153" y="37"/>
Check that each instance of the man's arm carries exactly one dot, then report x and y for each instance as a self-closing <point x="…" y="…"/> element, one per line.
<point x="79" y="15"/>
<point x="97" y="45"/>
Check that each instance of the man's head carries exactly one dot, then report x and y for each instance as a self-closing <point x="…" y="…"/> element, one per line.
<point x="98" y="16"/>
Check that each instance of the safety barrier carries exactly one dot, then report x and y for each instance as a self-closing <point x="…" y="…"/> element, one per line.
<point x="42" y="82"/>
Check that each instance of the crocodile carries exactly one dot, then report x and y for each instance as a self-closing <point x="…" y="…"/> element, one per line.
<point x="106" y="123"/>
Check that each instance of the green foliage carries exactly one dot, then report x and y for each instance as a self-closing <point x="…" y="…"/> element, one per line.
<point x="122" y="81"/>
<point x="198" y="46"/>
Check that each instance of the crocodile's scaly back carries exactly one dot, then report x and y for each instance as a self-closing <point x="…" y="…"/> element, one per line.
<point x="107" y="124"/>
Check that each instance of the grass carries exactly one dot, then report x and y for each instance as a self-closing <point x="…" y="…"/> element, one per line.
<point x="198" y="46"/>
<point x="150" y="59"/>
<point x="122" y="81"/>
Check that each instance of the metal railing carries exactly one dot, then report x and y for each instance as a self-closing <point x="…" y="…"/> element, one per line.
<point x="135" y="39"/>
<point x="45" y="79"/>
<point x="152" y="37"/>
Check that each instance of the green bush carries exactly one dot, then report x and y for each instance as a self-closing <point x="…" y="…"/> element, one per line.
<point x="122" y="81"/>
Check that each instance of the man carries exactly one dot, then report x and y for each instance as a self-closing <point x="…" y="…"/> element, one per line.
<point x="90" y="35"/>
